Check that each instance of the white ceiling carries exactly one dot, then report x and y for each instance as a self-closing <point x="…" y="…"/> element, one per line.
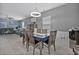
<point x="21" y="10"/>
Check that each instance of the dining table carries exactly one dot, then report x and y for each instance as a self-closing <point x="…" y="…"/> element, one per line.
<point x="41" y="38"/>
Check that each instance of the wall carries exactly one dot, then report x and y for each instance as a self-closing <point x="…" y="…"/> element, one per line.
<point x="63" y="17"/>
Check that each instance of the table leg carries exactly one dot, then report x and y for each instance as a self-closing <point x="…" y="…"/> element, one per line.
<point x="41" y="48"/>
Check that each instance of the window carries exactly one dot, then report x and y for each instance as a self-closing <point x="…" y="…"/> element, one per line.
<point x="22" y="24"/>
<point x="47" y="20"/>
<point x="47" y="23"/>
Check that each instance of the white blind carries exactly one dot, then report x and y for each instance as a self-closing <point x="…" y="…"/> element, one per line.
<point x="47" y="23"/>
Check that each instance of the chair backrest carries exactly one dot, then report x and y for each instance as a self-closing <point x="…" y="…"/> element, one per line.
<point x="52" y="37"/>
<point x="26" y="35"/>
<point x="29" y="27"/>
<point x="30" y="36"/>
<point x="44" y="31"/>
<point x="38" y="30"/>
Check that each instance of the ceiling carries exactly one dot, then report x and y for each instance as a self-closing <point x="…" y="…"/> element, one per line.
<point x="21" y="10"/>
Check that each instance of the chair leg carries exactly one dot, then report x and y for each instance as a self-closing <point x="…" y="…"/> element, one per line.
<point x="27" y="46"/>
<point x="23" y="41"/>
<point x="34" y="50"/>
<point x="48" y="50"/>
<point x="54" y="47"/>
<point x="42" y="45"/>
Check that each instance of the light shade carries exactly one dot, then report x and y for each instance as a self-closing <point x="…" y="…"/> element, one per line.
<point x="35" y="14"/>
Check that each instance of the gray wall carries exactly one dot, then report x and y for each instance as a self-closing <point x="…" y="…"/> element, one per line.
<point x="63" y="17"/>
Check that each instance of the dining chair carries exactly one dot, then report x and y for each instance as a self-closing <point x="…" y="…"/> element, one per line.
<point x="32" y="41"/>
<point x="38" y="30"/>
<point x="30" y="27"/>
<point x="51" y="41"/>
<point x="44" y="31"/>
<point x="27" y="40"/>
<point x="74" y="51"/>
